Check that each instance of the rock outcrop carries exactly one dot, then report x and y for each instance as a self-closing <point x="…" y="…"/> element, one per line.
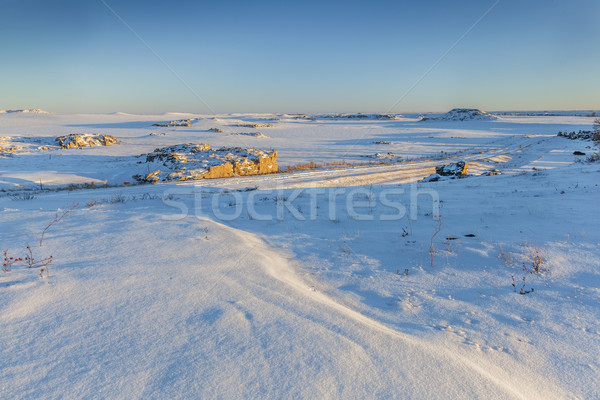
<point x="85" y="140"/>
<point x="455" y="169"/>
<point x="388" y="157"/>
<point x="179" y="122"/>
<point x="463" y="114"/>
<point x="449" y="171"/>
<point x="198" y="161"/>
<point x="581" y="135"/>
<point x="7" y="148"/>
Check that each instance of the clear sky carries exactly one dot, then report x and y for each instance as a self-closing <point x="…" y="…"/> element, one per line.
<point x="298" y="56"/>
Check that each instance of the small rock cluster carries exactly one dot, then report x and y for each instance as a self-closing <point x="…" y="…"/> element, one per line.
<point x="492" y="172"/>
<point x="453" y="169"/>
<point x="390" y="157"/>
<point x="216" y="130"/>
<point x="582" y="135"/>
<point x="251" y="125"/>
<point x="301" y="116"/>
<point x="449" y="171"/>
<point x="85" y="140"/>
<point x="179" y="122"/>
<point x="198" y="161"/>
<point x="6" y="148"/>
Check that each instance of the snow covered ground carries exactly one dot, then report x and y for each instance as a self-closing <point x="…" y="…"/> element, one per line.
<point x="340" y="282"/>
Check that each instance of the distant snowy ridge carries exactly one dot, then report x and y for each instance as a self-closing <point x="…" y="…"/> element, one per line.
<point x="463" y="114"/>
<point x="357" y="116"/>
<point x="29" y="111"/>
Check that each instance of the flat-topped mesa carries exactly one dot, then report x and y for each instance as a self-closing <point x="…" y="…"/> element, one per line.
<point x="191" y="161"/>
<point x="463" y="114"/>
<point x="85" y="140"/>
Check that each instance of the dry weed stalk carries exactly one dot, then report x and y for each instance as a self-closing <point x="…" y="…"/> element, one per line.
<point x="57" y="219"/>
<point x="432" y="249"/>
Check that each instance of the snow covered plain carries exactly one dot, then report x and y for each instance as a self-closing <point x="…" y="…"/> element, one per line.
<point x="328" y="283"/>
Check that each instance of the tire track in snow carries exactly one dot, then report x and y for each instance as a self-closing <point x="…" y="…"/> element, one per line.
<point x="400" y="173"/>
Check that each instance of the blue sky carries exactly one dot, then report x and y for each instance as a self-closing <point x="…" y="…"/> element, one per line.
<point x="308" y="56"/>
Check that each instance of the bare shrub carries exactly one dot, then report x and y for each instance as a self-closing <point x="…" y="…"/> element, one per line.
<point x="9" y="261"/>
<point x="41" y="263"/>
<point x="432" y="249"/>
<point x="596" y="136"/>
<point x="29" y="259"/>
<point x="532" y="263"/>
<point x="117" y="198"/>
<point x="536" y="259"/>
<point x="21" y="196"/>
<point x="56" y="219"/>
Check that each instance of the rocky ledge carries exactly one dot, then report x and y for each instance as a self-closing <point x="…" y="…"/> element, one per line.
<point x="85" y="140"/>
<point x="191" y="161"/>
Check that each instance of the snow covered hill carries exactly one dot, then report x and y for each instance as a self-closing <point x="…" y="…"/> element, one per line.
<point x="463" y="114"/>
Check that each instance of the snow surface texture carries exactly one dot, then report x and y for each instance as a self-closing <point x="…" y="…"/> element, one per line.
<point x="166" y="291"/>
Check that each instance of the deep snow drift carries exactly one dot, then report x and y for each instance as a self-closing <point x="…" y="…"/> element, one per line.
<point x="338" y="282"/>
